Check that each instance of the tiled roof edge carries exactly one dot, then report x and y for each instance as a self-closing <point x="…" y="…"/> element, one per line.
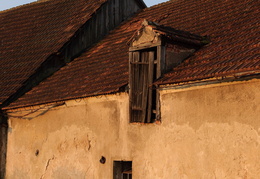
<point x="62" y="100"/>
<point x="214" y="80"/>
<point x="239" y="76"/>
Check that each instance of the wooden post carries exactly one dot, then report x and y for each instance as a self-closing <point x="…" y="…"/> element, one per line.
<point x="160" y="60"/>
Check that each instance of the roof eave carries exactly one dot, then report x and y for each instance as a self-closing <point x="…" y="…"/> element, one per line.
<point x="241" y="76"/>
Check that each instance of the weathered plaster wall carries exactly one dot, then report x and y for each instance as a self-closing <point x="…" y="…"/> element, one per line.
<point x="206" y="132"/>
<point x="70" y="140"/>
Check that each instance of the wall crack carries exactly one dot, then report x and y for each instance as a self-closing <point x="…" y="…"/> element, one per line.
<point x="47" y="166"/>
<point x="89" y="145"/>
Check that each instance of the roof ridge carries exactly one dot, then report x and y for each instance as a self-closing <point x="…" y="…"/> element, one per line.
<point x="23" y="5"/>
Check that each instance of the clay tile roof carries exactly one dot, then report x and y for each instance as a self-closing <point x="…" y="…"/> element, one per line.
<point x="233" y="28"/>
<point x="32" y="32"/>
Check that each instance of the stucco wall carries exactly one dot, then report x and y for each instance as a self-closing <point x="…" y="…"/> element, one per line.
<point x="206" y="132"/>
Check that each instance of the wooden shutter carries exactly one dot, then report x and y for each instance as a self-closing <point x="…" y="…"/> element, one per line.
<point x="141" y="78"/>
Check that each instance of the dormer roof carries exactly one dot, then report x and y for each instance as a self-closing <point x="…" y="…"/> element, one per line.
<point x="152" y="33"/>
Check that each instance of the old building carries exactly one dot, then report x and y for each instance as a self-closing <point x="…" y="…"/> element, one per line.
<point x="172" y="92"/>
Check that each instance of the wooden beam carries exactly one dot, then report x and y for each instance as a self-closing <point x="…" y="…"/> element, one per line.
<point x="144" y="46"/>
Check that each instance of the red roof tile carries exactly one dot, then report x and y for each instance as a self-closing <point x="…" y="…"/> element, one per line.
<point x="31" y="33"/>
<point x="233" y="27"/>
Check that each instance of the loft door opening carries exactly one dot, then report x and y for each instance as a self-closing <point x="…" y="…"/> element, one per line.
<point x="143" y="72"/>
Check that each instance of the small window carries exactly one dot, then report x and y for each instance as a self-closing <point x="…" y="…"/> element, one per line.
<point x="122" y="170"/>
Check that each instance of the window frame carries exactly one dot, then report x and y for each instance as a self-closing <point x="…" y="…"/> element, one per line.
<point x="122" y="169"/>
<point x="153" y="74"/>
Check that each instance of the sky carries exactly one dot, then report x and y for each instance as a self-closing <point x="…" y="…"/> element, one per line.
<point x="7" y="4"/>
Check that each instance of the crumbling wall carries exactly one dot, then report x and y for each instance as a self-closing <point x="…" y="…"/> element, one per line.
<point x="68" y="141"/>
<point x="206" y="132"/>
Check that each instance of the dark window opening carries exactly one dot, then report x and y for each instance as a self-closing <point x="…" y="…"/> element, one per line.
<point x="122" y="170"/>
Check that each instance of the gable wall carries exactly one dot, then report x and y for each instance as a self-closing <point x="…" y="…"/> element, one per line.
<point x="206" y="132"/>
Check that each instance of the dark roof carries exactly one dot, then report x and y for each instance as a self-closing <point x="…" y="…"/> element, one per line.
<point x="31" y="33"/>
<point x="233" y="28"/>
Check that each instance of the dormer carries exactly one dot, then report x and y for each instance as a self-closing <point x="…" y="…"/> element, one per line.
<point x="155" y="50"/>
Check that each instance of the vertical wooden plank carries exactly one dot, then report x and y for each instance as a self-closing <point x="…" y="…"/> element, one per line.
<point x="159" y="57"/>
<point x="135" y="91"/>
<point x="138" y="87"/>
<point x="162" y="61"/>
<point x="145" y="84"/>
<point x="133" y="87"/>
<point x="106" y="6"/>
<point x="101" y="23"/>
<point x="90" y="34"/>
<point x="137" y="81"/>
<point x="84" y="35"/>
<point x="150" y="82"/>
<point x="125" y="9"/>
<point x="130" y="87"/>
<point x="117" y="12"/>
<point x="121" y="10"/>
<point x="111" y="10"/>
<point x="98" y="26"/>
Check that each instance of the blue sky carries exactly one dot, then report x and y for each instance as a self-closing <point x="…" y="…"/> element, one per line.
<point x="6" y="4"/>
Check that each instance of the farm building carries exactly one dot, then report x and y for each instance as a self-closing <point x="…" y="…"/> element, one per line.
<point x="113" y="89"/>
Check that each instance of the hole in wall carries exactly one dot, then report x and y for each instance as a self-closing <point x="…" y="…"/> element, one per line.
<point x="37" y="152"/>
<point x="102" y="160"/>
